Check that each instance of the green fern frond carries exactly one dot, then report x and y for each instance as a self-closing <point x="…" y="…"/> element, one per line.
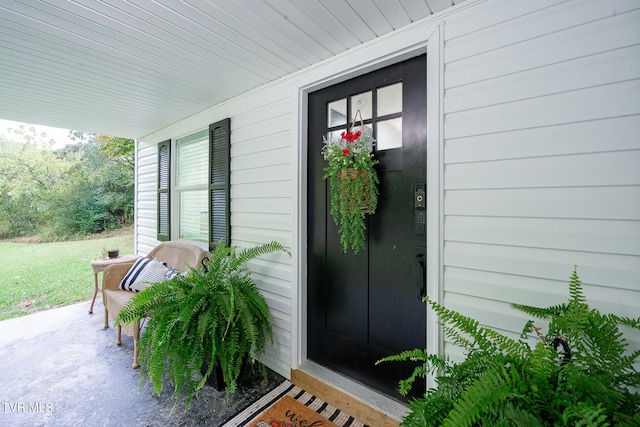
<point x="405" y="385"/>
<point x="147" y="301"/>
<point x="210" y="317"/>
<point x="627" y="321"/>
<point x="427" y="413"/>
<point x="487" y="391"/>
<point x="415" y="355"/>
<point x="247" y="254"/>
<point x="483" y="339"/>
<point x="575" y="289"/>
<point x="541" y="312"/>
<point x="459" y="338"/>
<point x="575" y="318"/>
<point x="585" y="415"/>
<point x="431" y="364"/>
<point x="593" y="382"/>
<point x="512" y="416"/>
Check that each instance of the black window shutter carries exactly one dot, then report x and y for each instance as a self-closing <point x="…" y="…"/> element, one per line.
<point x="164" y="181"/>
<point x="219" y="185"/>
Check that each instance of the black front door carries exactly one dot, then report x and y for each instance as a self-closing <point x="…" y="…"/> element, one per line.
<point x="366" y="306"/>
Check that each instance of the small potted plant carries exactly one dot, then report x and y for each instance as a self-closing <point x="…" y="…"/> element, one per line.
<point x="352" y="184"/>
<point x="110" y="253"/>
<point x="113" y="253"/>
<point x="212" y="317"/>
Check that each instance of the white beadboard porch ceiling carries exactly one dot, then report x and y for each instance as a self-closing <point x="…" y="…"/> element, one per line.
<point x="131" y="67"/>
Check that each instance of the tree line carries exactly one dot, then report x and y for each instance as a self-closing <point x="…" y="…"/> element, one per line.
<point x="86" y="187"/>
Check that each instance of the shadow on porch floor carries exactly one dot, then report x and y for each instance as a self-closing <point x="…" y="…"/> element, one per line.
<point x="61" y="368"/>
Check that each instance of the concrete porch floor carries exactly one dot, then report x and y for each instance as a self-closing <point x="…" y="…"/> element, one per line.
<point x="61" y="368"/>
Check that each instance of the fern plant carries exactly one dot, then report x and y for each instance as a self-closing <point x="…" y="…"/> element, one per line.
<point x="581" y="373"/>
<point x="213" y="316"/>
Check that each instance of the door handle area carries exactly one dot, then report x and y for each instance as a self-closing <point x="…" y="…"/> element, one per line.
<point x="421" y="273"/>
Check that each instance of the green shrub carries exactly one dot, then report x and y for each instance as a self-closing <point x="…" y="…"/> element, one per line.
<point x="581" y="373"/>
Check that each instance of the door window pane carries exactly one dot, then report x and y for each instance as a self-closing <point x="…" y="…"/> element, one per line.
<point x="389" y="134"/>
<point x="362" y="102"/>
<point x="367" y="130"/>
<point x="335" y="135"/>
<point x="390" y="99"/>
<point x="337" y="113"/>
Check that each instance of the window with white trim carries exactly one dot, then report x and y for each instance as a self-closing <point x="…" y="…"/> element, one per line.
<point x="199" y="190"/>
<point x="192" y="166"/>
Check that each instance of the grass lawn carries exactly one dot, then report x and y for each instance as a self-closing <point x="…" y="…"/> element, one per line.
<point x="40" y="276"/>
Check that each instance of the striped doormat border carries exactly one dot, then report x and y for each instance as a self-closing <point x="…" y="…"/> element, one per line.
<point x="287" y="388"/>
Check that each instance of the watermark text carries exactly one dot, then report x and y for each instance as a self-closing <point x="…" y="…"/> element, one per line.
<point x="27" y="407"/>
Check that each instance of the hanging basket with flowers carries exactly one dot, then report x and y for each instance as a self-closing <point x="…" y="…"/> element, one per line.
<point x="352" y="183"/>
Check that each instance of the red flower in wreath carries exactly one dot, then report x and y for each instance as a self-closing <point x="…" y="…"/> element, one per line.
<point x="350" y="136"/>
<point x="345" y="152"/>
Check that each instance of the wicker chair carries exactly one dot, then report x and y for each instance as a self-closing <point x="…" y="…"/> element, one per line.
<point x="179" y="255"/>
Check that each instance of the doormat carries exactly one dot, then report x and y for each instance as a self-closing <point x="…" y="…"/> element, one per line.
<point x="290" y="406"/>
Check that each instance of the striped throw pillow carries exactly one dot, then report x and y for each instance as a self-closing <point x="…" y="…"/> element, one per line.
<point x="144" y="273"/>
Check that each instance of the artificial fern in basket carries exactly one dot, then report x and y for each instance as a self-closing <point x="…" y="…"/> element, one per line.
<point x="353" y="184"/>
<point x="581" y="373"/>
<point x="213" y="316"/>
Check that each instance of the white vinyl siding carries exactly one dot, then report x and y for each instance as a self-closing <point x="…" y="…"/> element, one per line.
<point x="541" y="161"/>
<point x="261" y="207"/>
<point x="541" y="157"/>
<point x="261" y="192"/>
